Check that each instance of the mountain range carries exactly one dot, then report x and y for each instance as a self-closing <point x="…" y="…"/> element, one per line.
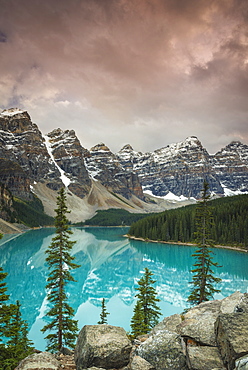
<point x="32" y="163"/>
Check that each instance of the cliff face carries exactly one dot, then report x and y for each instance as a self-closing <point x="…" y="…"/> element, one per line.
<point x="67" y="153"/>
<point x="22" y="143"/>
<point x="6" y="201"/>
<point x="13" y="177"/>
<point x="181" y="168"/>
<point x="231" y="166"/>
<point x="105" y="167"/>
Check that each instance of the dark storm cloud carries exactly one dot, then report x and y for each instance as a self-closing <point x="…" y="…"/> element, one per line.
<point x="148" y="72"/>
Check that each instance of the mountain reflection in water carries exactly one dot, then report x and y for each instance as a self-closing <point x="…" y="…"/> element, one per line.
<point x="111" y="265"/>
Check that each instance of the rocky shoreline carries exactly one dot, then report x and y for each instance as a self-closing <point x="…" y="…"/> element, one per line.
<point x="238" y="249"/>
<point x="210" y="336"/>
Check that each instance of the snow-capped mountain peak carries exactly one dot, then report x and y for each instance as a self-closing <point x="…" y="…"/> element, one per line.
<point x="12" y="112"/>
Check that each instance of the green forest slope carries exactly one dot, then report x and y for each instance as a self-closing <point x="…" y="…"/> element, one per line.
<point x="30" y="213"/>
<point x="178" y="225"/>
<point x="114" y="217"/>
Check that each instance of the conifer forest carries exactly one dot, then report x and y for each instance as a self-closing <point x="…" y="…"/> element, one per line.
<point x="229" y="227"/>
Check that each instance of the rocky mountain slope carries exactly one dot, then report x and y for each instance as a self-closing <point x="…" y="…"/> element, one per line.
<point x="181" y="168"/>
<point x="33" y="163"/>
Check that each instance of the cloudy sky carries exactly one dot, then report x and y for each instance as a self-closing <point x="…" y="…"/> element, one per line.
<point x="143" y="72"/>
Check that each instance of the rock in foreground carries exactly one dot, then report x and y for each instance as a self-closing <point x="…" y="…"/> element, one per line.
<point x="43" y="360"/>
<point x="102" y="346"/>
<point x="210" y="336"/>
<point x="164" y="351"/>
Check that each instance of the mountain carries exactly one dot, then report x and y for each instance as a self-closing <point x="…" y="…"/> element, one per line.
<point x="33" y="163"/>
<point x="181" y="168"/>
<point x="67" y="154"/>
<point x="104" y="166"/>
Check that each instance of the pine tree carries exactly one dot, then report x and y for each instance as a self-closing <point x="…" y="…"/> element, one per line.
<point x="146" y="311"/>
<point x="4" y="309"/>
<point x="138" y="326"/>
<point x="18" y="345"/>
<point x="203" y="278"/>
<point x="5" y="316"/>
<point x="14" y="343"/>
<point x="63" y="329"/>
<point x="103" y="314"/>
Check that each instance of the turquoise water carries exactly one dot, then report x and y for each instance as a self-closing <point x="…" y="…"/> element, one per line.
<point x="111" y="265"/>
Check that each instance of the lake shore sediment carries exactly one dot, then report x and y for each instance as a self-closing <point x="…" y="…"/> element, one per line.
<point x="238" y="249"/>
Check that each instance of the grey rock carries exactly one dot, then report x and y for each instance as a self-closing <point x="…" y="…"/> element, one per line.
<point x="242" y="306"/>
<point x="181" y="167"/>
<point x="164" y="351"/>
<point x="204" y="358"/>
<point x="229" y="304"/>
<point x="169" y="323"/>
<point x="68" y="154"/>
<point x="102" y="346"/>
<point x="21" y="141"/>
<point x="231" y="337"/>
<point x="43" y="360"/>
<point x="242" y="363"/>
<point x="199" y="323"/>
<point x="139" y="363"/>
<point x="104" y="166"/>
<point x="66" y="351"/>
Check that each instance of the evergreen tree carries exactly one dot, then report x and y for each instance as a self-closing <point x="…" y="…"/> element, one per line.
<point x="146" y="311"/>
<point x="14" y="343"/>
<point x="4" y="310"/>
<point x="203" y="278"/>
<point x="63" y="329"/>
<point x="18" y="345"/>
<point x="103" y="314"/>
<point x="5" y="316"/>
<point x="138" y="326"/>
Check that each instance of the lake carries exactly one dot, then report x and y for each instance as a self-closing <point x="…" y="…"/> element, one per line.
<point x="111" y="265"/>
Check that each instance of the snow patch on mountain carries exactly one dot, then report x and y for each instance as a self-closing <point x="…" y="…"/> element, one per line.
<point x="170" y="196"/>
<point x="11" y="112"/>
<point x="66" y="181"/>
<point x="229" y="193"/>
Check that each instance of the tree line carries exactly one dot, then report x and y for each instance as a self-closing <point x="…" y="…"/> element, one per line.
<point x="113" y="217"/>
<point x="229" y="227"/>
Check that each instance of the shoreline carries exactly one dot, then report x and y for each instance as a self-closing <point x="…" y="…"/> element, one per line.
<point x="238" y="249"/>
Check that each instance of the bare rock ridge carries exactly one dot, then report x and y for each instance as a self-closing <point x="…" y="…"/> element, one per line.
<point x="31" y="162"/>
<point x="181" y="168"/>
<point x="210" y="336"/>
<point x="68" y="154"/>
<point x="104" y="166"/>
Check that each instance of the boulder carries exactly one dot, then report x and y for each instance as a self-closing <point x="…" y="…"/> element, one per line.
<point x="199" y="323"/>
<point x="242" y="363"/>
<point x="43" y="360"/>
<point x="231" y="336"/>
<point x="164" y="351"/>
<point x="169" y="323"/>
<point x="242" y="306"/>
<point x="230" y="304"/>
<point x="204" y="358"/>
<point x="102" y="346"/>
<point x="139" y="363"/>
